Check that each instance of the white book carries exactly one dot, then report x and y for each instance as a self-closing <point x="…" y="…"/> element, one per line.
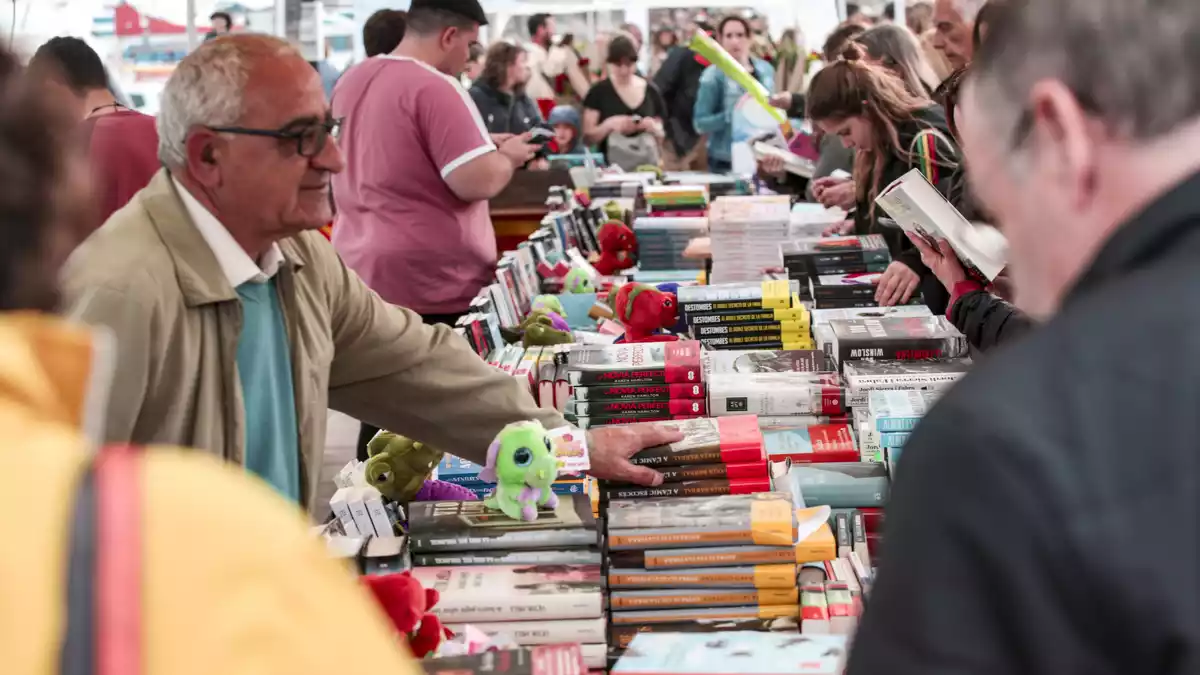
<point x="792" y="162"/>
<point x="582" y="631"/>
<point x="918" y="208"/>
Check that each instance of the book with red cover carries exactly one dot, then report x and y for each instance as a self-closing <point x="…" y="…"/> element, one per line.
<point x="725" y="440"/>
<point x="677" y="474"/>
<point x="818" y="443"/>
<point x="668" y="407"/>
<point x="637" y="363"/>
<point x="640" y="392"/>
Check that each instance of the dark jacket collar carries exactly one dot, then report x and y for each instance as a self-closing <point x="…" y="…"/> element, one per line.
<point x="493" y="93"/>
<point x="1146" y="238"/>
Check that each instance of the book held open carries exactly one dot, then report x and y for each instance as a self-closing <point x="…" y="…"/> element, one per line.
<point x="918" y="208"/>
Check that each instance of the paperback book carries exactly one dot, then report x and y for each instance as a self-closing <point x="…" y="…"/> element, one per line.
<point x="690" y="472"/>
<point x="815" y="444"/>
<point x="578" y="631"/>
<point x="640" y="392"/>
<point x="738" y="296"/>
<point x="469" y="526"/>
<point x="863" y="377"/>
<point x="664" y="616"/>
<point x="905" y="339"/>
<point x="757" y="576"/>
<point x="744" y="653"/>
<point x="844" y="286"/>
<point x="533" y="592"/>
<point x="673" y="598"/>
<point x="753" y="361"/>
<point x="840" y="484"/>
<point x="729" y="440"/>
<point x="636" y="363"/>
<point x="622" y="635"/>
<point x="670" y="407"/>
<point x="541" y="660"/>
<point x="764" y="519"/>
<point x="566" y="556"/>
<point x="695" y="488"/>
<point x="900" y="410"/>
<point x="794" y="314"/>
<point x="773" y="394"/>
<point x="758" y="342"/>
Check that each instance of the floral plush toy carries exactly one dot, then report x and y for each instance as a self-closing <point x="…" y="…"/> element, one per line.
<point x="645" y="312"/>
<point x="407" y="603"/>
<point x="618" y="248"/>
<point x="521" y="462"/>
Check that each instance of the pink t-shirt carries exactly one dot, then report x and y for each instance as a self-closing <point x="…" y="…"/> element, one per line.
<point x="406" y="127"/>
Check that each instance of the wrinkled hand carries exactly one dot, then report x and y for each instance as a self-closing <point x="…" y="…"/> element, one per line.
<point x="782" y="100"/>
<point x="842" y="228"/>
<point x="942" y="261"/>
<point x="842" y="195"/>
<point x="519" y="150"/>
<point x="772" y="165"/>
<point x="611" y="447"/>
<point x="897" y="285"/>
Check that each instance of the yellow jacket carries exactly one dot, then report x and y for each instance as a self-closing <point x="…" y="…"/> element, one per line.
<point x="233" y="582"/>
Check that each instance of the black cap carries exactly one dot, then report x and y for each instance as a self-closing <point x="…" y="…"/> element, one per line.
<point x="470" y="9"/>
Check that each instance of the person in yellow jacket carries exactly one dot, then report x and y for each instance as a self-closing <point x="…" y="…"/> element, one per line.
<point x="231" y="581"/>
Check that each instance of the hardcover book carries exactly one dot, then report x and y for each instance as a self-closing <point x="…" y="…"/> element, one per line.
<point x="764" y="519"/>
<point x="896" y="339"/>
<point x="764" y="331"/>
<point x="636" y="363"/>
<point x="469" y="526"/>
<point x="661" y="598"/>
<point x="862" y="377"/>
<point x="844" y="286"/>
<point x="824" y="316"/>
<point x="817" y="546"/>
<point x="895" y="411"/>
<point x="693" y="488"/>
<point x="757" y="576"/>
<point x="661" y="616"/>
<point x="540" y="660"/>
<point x="840" y="484"/>
<point x="732" y="362"/>
<point x="671" y="407"/>
<point x="592" y="422"/>
<point x="739" y="296"/>
<point x="577" y="631"/>
<point x="565" y="556"/>
<point x="676" y="474"/>
<point x="743" y="653"/>
<point x="773" y="394"/>
<point x="622" y="635"/>
<point x="863" y="249"/>
<point x="794" y="314"/>
<point x="505" y="593"/>
<point x="730" y="440"/>
<point x="640" y="392"/>
<point x="820" y="443"/>
<point x="757" y="342"/>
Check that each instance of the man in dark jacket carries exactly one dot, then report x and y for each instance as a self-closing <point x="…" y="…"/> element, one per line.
<point x="499" y="93"/>
<point x="1046" y="519"/>
<point x="678" y="80"/>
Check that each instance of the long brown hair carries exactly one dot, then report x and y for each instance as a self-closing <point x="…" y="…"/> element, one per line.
<point x="852" y="88"/>
<point x="500" y="56"/>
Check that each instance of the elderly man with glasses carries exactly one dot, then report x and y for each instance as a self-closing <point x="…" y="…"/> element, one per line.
<point x="236" y="323"/>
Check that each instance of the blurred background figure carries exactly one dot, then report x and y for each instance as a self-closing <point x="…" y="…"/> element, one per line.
<point x="475" y="63"/>
<point x="635" y="32"/>
<point x="221" y="24"/>
<point x="895" y="49"/>
<point x="499" y="91"/>
<point x="718" y="95"/>
<point x="954" y="22"/>
<point x="121" y="144"/>
<point x="856" y="15"/>
<point x="665" y="39"/>
<point x="624" y="110"/>
<point x="568" y="131"/>
<point x="383" y="31"/>
<point x="919" y="16"/>
<point x="679" y="82"/>
<point x="791" y="62"/>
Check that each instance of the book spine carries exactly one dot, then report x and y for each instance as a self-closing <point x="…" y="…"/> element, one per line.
<point x="761" y="332"/>
<point x="596" y="422"/>
<point x="895" y="425"/>
<point x="531" y="608"/>
<point x="758" y="342"/>
<point x="630" y="408"/>
<point x="751" y="470"/>
<point x="897" y="349"/>
<point x="577" y="631"/>
<point x="662" y="392"/>
<point x="814" y="400"/>
<point x="579" y="557"/>
<point x="761" y="576"/>
<point x="621" y="635"/>
<point x="794" y="314"/>
<point x="628" y="600"/>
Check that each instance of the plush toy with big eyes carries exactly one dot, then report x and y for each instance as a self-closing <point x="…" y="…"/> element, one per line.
<point x="521" y="462"/>
<point x="578" y="281"/>
<point x="550" y="303"/>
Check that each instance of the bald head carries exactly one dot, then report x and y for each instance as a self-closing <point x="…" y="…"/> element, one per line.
<point x="216" y="84"/>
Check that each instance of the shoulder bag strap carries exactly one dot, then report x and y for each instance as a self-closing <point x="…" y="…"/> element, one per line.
<point x="104" y="590"/>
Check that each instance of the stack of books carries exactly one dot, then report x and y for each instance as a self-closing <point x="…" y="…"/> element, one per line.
<point x="721" y="364"/>
<point x="536" y="582"/>
<point x="746" y="234"/>
<point x="663" y="239"/>
<point x="821" y="318"/>
<point x="814" y="261"/>
<point x="893" y="415"/>
<point x="895" y="339"/>
<point x="796" y="389"/>
<point x="538" y="370"/>
<point x="746" y="653"/>
<point x="708" y="564"/>
<point x="564" y="659"/>
<point x="716" y="457"/>
<point x="631" y="383"/>
<point x="758" y="315"/>
<point x="676" y="201"/>
<point x="453" y="469"/>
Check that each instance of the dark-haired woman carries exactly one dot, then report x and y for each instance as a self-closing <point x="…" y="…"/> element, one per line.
<point x="624" y="103"/>
<point x="892" y="131"/>
<point x="718" y="95"/>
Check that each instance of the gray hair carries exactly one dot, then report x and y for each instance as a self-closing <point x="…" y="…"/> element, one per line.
<point x="208" y="89"/>
<point x="969" y="9"/>
<point x="899" y="50"/>
<point x="1135" y="64"/>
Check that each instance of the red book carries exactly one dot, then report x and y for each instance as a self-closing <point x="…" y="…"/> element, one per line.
<point x="722" y="440"/>
<point x="694" y="488"/>
<point x="812" y="445"/>
<point x="636" y="363"/>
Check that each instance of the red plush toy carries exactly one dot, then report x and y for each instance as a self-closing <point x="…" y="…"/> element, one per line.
<point x="618" y="248"/>
<point x="407" y="604"/>
<point x="645" y="311"/>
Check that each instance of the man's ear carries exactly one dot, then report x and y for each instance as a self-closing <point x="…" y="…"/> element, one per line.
<point x="204" y="150"/>
<point x="1065" y="136"/>
<point x="449" y="34"/>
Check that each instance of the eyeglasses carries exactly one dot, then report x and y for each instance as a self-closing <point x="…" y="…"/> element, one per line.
<point x="310" y="137"/>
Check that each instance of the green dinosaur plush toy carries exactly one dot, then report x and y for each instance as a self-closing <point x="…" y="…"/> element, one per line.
<point x="550" y="303"/>
<point x="522" y="464"/>
<point x="613" y="211"/>
<point x="545" y="335"/>
<point x="398" y="466"/>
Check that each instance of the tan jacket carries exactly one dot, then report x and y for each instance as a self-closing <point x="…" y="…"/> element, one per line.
<point x="149" y="276"/>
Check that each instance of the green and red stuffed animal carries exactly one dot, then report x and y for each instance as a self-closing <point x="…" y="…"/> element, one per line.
<point x="646" y="313"/>
<point x="618" y="248"/>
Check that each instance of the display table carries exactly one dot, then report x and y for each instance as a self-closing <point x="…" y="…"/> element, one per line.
<point x="518" y="210"/>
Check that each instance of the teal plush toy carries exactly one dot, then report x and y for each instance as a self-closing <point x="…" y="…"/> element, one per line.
<point x="550" y="303"/>
<point x="578" y="281"/>
<point x="522" y="464"/>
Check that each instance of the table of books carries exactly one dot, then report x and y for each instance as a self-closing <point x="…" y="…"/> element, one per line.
<point x="795" y="395"/>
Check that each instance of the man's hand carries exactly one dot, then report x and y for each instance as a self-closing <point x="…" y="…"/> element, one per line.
<point x="519" y="150"/>
<point x="897" y="285"/>
<point x="943" y="261"/>
<point x="772" y="165"/>
<point x="842" y="228"/>
<point x="611" y="447"/>
<point x="499" y="139"/>
<point x="782" y="100"/>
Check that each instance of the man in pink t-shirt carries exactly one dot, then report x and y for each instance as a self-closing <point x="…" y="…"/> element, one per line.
<point x="420" y="167"/>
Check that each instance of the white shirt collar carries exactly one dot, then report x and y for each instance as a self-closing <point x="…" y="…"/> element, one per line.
<point x="238" y="266"/>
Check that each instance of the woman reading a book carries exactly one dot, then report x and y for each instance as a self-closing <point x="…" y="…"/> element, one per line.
<point x="892" y="131"/>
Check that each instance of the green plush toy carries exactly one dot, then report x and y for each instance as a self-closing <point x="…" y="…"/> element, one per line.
<point x="398" y="466"/>
<point x="543" y="328"/>
<point x="550" y="303"/>
<point x="578" y="281"/>
<point x="613" y="211"/>
<point x="521" y="462"/>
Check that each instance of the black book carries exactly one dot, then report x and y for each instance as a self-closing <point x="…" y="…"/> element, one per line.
<point x="897" y="339"/>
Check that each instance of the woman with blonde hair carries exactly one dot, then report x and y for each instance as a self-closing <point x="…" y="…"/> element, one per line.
<point x="895" y="48"/>
<point x="892" y="131"/>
